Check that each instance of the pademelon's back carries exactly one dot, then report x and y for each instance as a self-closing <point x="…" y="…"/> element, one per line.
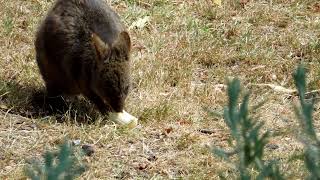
<point x="104" y="21"/>
<point x="70" y="24"/>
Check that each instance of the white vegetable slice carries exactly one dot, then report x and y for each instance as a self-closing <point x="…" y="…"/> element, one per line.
<point x="124" y="118"/>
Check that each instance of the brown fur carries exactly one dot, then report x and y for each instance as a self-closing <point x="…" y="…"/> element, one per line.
<point x="83" y="48"/>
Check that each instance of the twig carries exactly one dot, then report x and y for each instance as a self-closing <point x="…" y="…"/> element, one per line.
<point x="206" y="131"/>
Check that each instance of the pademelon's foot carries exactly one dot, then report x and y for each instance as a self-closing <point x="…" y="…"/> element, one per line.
<point x="50" y="105"/>
<point x="38" y="100"/>
<point x="124" y="118"/>
<point x="56" y="105"/>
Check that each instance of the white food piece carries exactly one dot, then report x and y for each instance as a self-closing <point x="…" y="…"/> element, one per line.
<point x="124" y="118"/>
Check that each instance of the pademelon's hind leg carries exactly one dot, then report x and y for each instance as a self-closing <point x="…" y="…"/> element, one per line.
<point x="49" y="104"/>
<point x="53" y="100"/>
<point x="50" y="101"/>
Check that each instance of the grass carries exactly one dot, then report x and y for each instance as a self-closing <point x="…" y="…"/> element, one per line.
<point x="180" y="61"/>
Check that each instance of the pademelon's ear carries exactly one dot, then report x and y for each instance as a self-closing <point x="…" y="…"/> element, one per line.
<point x="123" y="42"/>
<point x="101" y="47"/>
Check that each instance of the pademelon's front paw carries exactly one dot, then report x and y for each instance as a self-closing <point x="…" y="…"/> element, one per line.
<point x="125" y="119"/>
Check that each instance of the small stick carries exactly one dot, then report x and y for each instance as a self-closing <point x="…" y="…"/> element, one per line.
<point x="207" y="131"/>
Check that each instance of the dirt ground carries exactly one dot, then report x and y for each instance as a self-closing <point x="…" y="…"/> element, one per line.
<point x="183" y="52"/>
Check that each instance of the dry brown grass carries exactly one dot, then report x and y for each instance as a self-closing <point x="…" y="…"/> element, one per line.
<point x="181" y="58"/>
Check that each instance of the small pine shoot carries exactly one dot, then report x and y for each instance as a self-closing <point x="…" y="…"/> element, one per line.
<point x="304" y="114"/>
<point x="62" y="165"/>
<point x="249" y="141"/>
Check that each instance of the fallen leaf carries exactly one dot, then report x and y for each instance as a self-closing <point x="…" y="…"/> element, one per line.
<point x="3" y="106"/>
<point x="316" y="7"/>
<point x="244" y="2"/>
<point x="278" y="88"/>
<point x="142" y="166"/>
<point x="140" y="23"/>
<point x="218" y="2"/>
<point x="184" y="122"/>
<point x="168" y="130"/>
<point x="76" y="142"/>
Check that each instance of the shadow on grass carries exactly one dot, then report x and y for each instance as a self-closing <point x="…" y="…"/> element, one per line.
<point x="31" y="102"/>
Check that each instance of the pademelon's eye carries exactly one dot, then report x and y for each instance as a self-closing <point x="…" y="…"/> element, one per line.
<point x="107" y="56"/>
<point x="117" y="52"/>
<point x="126" y="90"/>
<point x="107" y="59"/>
<point x="126" y="58"/>
<point x="120" y="55"/>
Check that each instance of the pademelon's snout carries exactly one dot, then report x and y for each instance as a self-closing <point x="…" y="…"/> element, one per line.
<point x="124" y="118"/>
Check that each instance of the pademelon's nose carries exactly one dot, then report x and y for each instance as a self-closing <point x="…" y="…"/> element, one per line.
<point x="124" y="118"/>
